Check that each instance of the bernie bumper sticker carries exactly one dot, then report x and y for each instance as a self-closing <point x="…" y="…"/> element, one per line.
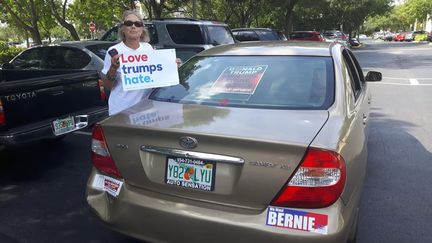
<point x="107" y="184"/>
<point x="297" y="220"/>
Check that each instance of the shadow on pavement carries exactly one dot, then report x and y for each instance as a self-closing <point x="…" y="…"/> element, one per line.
<point x="397" y="198"/>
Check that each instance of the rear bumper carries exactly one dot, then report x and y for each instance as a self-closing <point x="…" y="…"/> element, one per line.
<point x="43" y="129"/>
<point x="154" y="217"/>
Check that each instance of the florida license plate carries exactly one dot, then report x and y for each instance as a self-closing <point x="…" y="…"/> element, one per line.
<point x="190" y="173"/>
<point x="64" y="125"/>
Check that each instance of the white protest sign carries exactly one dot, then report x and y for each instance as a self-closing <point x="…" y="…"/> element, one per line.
<point x="148" y="69"/>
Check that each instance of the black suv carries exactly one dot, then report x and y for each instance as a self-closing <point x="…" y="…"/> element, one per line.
<point x="258" y="34"/>
<point x="188" y="36"/>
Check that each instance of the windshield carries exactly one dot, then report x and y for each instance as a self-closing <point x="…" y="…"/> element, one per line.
<point x="269" y="82"/>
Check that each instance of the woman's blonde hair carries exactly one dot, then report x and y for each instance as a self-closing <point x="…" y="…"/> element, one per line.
<point x="145" y="34"/>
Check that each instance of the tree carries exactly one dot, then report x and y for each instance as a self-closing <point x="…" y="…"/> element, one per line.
<point x="417" y="9"/>
<point x="25" y="14"/>
<point x="104" y="13"/>
<point x="244" y="10"/>
<point x="61" y="17"/>
<point x="162" y="8"/>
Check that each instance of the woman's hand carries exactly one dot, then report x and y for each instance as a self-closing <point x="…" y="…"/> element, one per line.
<point x="179" y="62"/>
<point x="115" y="63"/>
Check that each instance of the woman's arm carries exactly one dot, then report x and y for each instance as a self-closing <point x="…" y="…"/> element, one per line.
<point x="110" y="77"/>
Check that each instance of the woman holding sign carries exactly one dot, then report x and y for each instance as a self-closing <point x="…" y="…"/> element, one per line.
<point x="134" y="38"/>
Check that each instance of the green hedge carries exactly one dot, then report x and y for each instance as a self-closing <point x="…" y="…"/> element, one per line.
<point x="7" y="52"/>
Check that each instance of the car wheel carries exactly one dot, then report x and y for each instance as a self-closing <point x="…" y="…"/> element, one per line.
<point x="352" y="238"/>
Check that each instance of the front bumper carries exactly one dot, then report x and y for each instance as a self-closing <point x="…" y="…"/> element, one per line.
<point x="156" y="217"/>
<point x="43" y="129"/>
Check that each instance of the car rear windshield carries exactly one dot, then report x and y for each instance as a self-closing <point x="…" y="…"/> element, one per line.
<point x="100" y="49"/>
<point x="185" y="33"/>
<point x="268" y="35"/>
<point x="220" y="35"/>
<point x="268" y="82"/>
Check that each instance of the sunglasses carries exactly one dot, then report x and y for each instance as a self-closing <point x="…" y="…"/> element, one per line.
<point x="136" y="23"/>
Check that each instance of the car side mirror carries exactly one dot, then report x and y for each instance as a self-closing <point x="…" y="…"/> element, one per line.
<point x="7" y="66"/>
<point x="373" y="76"/>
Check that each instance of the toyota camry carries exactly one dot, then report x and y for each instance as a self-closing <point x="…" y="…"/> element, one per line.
<point x="259" y="142"/>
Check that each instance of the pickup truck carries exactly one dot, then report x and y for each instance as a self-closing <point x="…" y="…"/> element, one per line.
<point x="48" y="104"/>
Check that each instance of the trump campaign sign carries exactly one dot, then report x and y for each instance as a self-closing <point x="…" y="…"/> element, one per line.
<point x="148" y="69"/>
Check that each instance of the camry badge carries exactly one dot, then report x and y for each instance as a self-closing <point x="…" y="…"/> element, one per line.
<point x="188" y="142"/>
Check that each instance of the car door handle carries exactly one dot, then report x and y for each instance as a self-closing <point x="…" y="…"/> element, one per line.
<point x="364" y="119"/>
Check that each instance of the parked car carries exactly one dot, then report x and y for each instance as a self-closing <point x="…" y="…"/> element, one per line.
<point x="188" y="36"/>
<point x="335" y="34"/>
<point x="400" y="36"/>
<point x="422" y="36"/>
<point x="260" y="142"/>
<point x="306" y="36"/>
<point x="411" y="35"/>
<point x="47" y="92"/>
<point x="258" y="34"/>
<point x="71" y="55"/>
<point x="388" y="36"/>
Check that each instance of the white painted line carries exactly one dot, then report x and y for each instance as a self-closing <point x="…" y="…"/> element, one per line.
<point x="413" y="81"/>
<point x="83" y="133"/>
<point x="407" y="78"/>
<point x="401" y="84"/>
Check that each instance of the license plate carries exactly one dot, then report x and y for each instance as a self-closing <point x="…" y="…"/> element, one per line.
<point x="190" y="173"/>
<point x="64" y="125"/>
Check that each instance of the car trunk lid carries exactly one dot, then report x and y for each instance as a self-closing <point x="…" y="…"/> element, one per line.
<point x="242" y="158"/>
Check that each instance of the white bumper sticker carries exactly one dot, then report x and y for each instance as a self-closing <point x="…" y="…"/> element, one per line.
<point x="107" y="184"/>
<point x="297" y="220"/>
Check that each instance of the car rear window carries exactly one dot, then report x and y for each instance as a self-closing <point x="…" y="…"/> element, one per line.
<point x="267" y="35"/>
<point x="268" y="82"/>
<point x="63" y="57"/>
<point x="220" y="35"/>
<point x="246" y="35"/>
<point x="185" y="33"/>
<point x="100" y="49"/>
<point x="300" y="35"/>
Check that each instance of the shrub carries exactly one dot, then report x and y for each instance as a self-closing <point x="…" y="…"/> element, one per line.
<point x="7" y="52"/>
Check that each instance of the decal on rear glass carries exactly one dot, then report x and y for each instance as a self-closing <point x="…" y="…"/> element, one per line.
<point x="297" y="220"/>
<point x="239" y="79"/>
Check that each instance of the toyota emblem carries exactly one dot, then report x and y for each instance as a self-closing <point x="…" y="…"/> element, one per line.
<point x="188" y="142"/>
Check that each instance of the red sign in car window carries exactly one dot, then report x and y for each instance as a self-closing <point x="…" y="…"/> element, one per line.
<point x="239" y="79"/>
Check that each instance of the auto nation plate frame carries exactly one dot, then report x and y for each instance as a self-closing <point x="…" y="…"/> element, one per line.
<point x="190" y="173"/>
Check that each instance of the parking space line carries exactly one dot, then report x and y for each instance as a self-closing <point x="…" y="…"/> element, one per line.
<point x="403" y="84"/>
<point x="413" y="81"/>
<point x="385" y="77"/>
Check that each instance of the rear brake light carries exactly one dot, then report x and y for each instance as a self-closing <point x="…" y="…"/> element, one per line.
<point x="2" y="115"/>
<point x="317" y="183"/>
<point x="100" y="155"/>
<point x="103" y="95"/>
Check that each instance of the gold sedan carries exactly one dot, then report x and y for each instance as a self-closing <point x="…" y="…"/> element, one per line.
<point x="260" y="142"/>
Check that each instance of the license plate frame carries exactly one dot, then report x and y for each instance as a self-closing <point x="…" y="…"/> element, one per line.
<point x="199" y="174"/>
<point x="63" y="125"/>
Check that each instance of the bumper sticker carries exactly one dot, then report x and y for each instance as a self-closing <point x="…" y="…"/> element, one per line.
<point x="107" y="184"/>
<point x="297" y="220"/>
